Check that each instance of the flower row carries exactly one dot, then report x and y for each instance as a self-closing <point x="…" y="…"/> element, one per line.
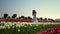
<point x="23" y="28"/>
<point x="54" y="30"/>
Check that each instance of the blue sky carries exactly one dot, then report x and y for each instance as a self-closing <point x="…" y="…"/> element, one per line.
<point x="44" y="8"/>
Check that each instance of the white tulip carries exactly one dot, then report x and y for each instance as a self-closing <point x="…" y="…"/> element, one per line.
<point x="18" y="30"/>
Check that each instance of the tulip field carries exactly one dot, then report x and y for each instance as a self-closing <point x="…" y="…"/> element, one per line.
<point x="28" y="28"/>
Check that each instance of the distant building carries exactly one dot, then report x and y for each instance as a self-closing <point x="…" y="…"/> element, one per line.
<point x="57" y="20"/>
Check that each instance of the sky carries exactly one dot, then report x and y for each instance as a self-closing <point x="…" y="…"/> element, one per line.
<point x="44" y="8"/>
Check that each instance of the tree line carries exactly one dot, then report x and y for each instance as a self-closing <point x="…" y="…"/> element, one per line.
<point x="23" y="17"/>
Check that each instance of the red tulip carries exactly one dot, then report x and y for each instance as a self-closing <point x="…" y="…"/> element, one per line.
<point x="58" y="30"/>
<point x="52" y="30"/>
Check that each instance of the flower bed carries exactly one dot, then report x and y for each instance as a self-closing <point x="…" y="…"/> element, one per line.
<point x="24" y="28"/>
<point x="54" y="30"/>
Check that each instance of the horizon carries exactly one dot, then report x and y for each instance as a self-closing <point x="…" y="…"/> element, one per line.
<point x="44" y="8"/>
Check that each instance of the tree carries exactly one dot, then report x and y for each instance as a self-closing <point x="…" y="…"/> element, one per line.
<point x="22" y="16"/>
<point x="14" y="16"/>
<point x="25" y="18"/>
<point x="41" y="18"/>
<point x="52" y="19"/>
<point x="8" y="16"/>
<point x="49" y="19"/>
<point x="29" y="17"/>
<point x="5" y="15"/>
<point x="45" y="19"/>
<point x="19" y="17"/>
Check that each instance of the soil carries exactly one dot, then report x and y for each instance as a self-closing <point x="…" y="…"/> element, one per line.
<point x="38" y="32"/>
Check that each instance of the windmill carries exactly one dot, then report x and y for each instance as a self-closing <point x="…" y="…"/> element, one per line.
<point x="34" y="16"/>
